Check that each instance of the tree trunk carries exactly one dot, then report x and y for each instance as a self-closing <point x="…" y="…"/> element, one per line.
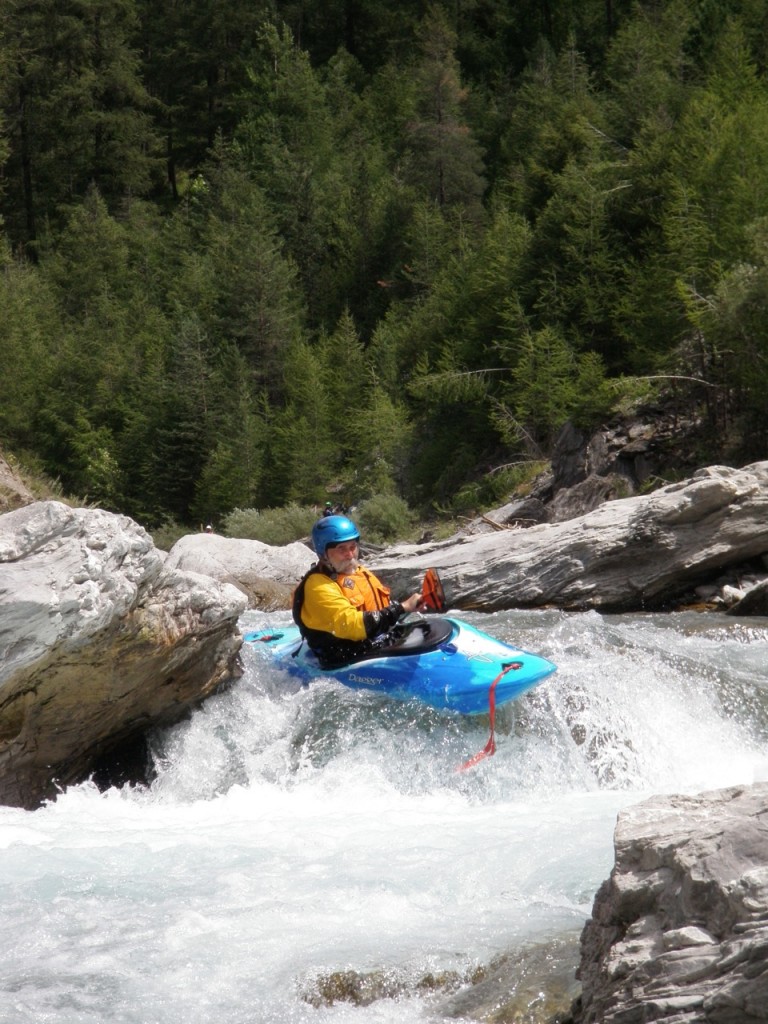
<point x="26" y="162"/>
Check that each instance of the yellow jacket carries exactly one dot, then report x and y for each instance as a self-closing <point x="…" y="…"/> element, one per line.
<point x="337" y="604"/>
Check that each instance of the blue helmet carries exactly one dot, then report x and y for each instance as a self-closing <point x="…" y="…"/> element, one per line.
<point x="332" y="530"/>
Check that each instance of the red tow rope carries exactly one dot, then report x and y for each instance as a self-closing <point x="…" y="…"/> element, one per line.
<point x="490" y="747"/>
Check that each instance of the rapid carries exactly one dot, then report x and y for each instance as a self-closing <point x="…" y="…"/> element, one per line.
<point x="312" y="855"/>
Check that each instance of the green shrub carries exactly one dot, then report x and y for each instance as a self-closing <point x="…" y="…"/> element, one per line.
<point x="384" y="518"/>
<point x="167" y="533"/>
<point x="496" y="488"/>
<point x="274" y="526"/>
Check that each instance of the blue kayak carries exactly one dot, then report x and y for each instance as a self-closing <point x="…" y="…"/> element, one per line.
<point x="440" y="661"/>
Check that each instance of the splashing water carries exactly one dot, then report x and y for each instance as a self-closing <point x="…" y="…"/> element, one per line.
<point x="312" y="855"/>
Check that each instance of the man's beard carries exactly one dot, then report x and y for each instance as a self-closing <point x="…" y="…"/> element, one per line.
<point x="342" y="568"/>
<point x="347" y="567"/>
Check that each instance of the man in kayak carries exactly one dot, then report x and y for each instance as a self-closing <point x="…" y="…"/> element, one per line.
<point x="342" y="609"/>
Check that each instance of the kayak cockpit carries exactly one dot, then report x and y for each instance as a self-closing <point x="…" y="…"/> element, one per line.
<point x="416" y="637"/>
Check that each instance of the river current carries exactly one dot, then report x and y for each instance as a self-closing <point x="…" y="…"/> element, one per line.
<point x="312" y="855"/>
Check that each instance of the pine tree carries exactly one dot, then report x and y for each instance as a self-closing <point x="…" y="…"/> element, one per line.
<point x="545" y="386"/>
<point x="196" y="57"/>
<point x="254" y="297"/>
<point x="234" y="470"/>
<point x="732" y="356"/>
<point x="29" y="324"/>
<point x="445" y="158"/>
<point x="302" y="443"/>
<point x="307" y="144"/>
<point x="554" y="118"/>
<point x="76" y="110"/>
<point x="181" y="435"/>
<point x="719" y="156"/>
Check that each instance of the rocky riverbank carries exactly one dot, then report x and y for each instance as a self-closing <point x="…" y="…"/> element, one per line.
<point x="679" y="932"/>
<point x="103" y="637"/>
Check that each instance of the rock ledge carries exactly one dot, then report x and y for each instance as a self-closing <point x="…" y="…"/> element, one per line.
<point x="679" y="932"/>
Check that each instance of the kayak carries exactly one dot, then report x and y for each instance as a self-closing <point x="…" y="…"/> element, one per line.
<point x="442" y="662"/>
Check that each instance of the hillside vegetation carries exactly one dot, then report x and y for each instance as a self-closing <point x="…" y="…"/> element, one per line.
<point x="264" y="253"/>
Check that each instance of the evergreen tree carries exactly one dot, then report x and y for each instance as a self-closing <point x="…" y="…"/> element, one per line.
<point x="196" y="57"/>
<point x="88" y="259"/>
<point x="576" y="273"/>
<point x="648" y="72"/>
<point x="554" y="118"/>
<point x="382" y="428"/>
<point x="373" y="32"/>
<point x="29" y="326"/>
<point x="545" y="387"/>
<point x="75" y="108"/>
<point x="233" y="475"/>
<point x="344" y="375"/>
<point x="302" y="443"/>
<point x="254" y="297"/>
<point x="93" y="362"/>
<point x="308" y="146"/>
<point x="719" y="158"/>
<point x="445" y="159"/>
<point x="448" y="354"/>
<point x="181" y="418"/>
<point x="732" y="322"/>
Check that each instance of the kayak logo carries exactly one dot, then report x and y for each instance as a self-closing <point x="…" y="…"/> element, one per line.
<point x="365" y="680"/>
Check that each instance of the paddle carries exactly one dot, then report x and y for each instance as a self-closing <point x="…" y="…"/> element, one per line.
<point x="432" y="593"/>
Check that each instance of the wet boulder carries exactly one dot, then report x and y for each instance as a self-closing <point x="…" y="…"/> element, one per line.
<point x="679" y="931"/>
<point x="100" y="640"/>
<point x="753" y="601"/>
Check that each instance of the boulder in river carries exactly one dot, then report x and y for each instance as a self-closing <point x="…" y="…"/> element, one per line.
<point x="266" y="575"/>
<point x="679" y="932"/>
<point x="99" y="641"/>
<point x="631" y="554"/>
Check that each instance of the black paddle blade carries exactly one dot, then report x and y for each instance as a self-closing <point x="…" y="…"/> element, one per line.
<point x="432" y="591"/>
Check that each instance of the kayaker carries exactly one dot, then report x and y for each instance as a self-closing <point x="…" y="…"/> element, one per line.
<point x="342" y="609"/>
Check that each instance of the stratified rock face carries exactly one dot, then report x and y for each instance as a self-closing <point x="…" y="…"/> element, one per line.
<point x="679" y="933"/>
<point x="627" y="555"/>
<point x="98" y="642"/>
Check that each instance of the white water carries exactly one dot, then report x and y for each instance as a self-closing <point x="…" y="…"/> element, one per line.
<point x="293" y="833"/>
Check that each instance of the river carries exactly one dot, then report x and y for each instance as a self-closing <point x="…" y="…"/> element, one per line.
<point x="312" y="856"/>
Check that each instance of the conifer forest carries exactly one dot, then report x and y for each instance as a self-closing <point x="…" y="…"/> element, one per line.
<point x="262" y="252"/>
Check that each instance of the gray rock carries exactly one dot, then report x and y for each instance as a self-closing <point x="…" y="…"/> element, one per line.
<point x="630" y="554"/>
<point x="570" y="458"/>
<point x="679" y="932"/>
<point x="730" y="595"/>
<point x="266" y="574"/>
<point x="99" y="640"/>
<point x="754" y="602"/>
<point x="586" y="496"/>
